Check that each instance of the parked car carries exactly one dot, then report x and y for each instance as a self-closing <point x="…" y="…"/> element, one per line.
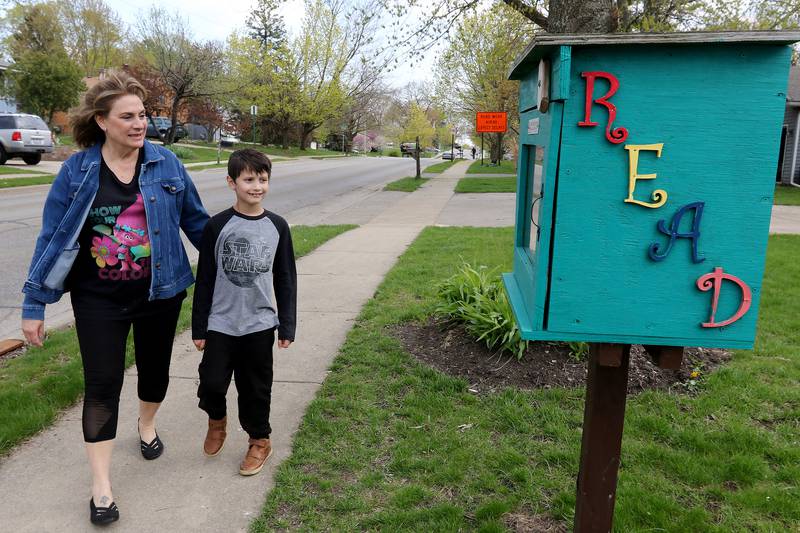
<point x="196" y="132"/>
<point x="25" y="136"/>
<point x="163" y="125"/>
<point x="447" y="155"/>
<point x="229" y="139"/>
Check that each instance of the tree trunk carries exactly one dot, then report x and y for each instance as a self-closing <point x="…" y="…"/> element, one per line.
<point x="152" y="122"/>
<point x="582" y="16"/>
<point x="173" y="120"/>
<point x="306" y="130"/>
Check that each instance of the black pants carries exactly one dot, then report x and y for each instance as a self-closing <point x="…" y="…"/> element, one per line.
<point x="102" y="342"/>
<point x="249" y="360"/>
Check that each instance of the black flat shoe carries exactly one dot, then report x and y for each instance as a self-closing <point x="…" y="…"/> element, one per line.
<point x="103" y="515"/>
<point x="152" y="450"/>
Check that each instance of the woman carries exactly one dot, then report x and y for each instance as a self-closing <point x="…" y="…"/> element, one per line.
<point x="110" y="236"/>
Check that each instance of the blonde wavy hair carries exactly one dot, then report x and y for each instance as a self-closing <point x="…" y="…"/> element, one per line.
<point x="98" y="101"/>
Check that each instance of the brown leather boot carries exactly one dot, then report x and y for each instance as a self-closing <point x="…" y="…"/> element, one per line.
<point x="258" y="452"/>
<point x="215" y="438"/>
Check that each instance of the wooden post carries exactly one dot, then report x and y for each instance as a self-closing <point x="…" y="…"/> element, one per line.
<point x="481" y="149"/>
<point x="603" y="417"/>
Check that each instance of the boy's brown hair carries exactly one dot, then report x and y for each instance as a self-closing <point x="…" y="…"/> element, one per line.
<point x="248" y="159"/>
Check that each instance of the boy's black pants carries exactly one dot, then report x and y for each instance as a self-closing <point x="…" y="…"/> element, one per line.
<point x="249" y="360"/>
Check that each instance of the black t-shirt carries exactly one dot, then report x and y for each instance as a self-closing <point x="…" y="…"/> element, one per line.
<point x="111" y="275"/>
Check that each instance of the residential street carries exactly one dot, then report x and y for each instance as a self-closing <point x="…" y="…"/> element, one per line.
<point x="305" y="191"/>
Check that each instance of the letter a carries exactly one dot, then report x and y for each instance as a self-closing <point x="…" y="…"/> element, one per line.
<point x="673" y="232"/>
<point x="659" y="195"/>
<point x="714" y="280"/>
<point x="618" y="135"/>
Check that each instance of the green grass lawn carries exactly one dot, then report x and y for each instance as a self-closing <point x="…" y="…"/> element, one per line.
<point x="437" y="168"/>
<point x="407" y="184"/>
<point x="390" y="444"/>
<point x="508" y="184"/>
<point x="787" y="195"/>
<point x="66" y="140"/>
<point x="197" y="154"/>
<point x="506" y="167"/>
<point x="22" y="182"/>
<point x="196" y="168"/>
<point x="19" y="170"/>
<point x="37" y="385"/>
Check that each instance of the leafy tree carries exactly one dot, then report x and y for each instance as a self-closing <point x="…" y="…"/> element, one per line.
<point x="265" y="25"/>
<point x="430" y="21"/>
<point x="265" y="59"/>
<point x="268" y="80"/>
<point x="92" y="34"/>
<point x="336" y="35"/>
<point x="43" y="79"/>
<point x="471" y="76"/>
<point x="34" y="28"/>
<point x="418" y="125"/>
<point x="187" y="68"/>
<point x="44" y="83"/>
<point x="750" y="15"/>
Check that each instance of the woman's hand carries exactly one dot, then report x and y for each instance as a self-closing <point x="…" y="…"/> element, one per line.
<point x="200" y="344"/>
<point x="284" y="343"/>
<point x="33" y="331"/>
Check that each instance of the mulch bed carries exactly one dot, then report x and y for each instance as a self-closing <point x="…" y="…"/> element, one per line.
<point x="545" y="364"/>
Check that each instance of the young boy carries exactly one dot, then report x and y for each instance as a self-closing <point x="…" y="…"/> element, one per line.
<point x="245" y="252"/>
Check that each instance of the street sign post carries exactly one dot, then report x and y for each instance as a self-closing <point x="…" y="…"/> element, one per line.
<point x="491" y="122"/>
<point x="494" y="122"/>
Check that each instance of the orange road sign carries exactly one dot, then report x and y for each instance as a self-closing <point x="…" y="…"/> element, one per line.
<point x="491" y="122"/>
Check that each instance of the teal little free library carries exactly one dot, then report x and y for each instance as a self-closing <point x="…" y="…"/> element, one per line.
<point x="646" y="177"/>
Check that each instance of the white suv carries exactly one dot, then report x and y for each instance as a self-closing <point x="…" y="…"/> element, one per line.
<point x="25" y="136"/>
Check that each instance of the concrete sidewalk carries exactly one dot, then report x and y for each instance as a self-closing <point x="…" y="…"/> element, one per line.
<point x="45" y="482"/>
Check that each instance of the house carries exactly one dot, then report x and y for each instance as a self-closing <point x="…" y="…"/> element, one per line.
<point x="789" y="160"/>
<point x="7" y="104"/>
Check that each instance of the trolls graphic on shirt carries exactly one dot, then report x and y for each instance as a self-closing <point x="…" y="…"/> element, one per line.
<point x="125" y="243"/>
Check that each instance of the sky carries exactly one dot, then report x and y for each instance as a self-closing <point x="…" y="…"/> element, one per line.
<point x="216" y="20"/>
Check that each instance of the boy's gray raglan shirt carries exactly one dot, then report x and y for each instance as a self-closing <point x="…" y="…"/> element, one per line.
<point x="241" y="259"/>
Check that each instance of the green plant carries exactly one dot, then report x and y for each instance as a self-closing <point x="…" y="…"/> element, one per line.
<point x="181" y="152"/>
<point x="696" y="379"/>
<point x="578" y="350"/>
<point x="476" y="299"/>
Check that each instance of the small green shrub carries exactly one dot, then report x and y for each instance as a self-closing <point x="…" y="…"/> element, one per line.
<point x="579" y="351"/>
<point x="393" y="153"/>
<point x="476" y="298"/>
<point x="181" y="152"/>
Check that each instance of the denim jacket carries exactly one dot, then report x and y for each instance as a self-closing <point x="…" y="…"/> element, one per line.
<point x="171" y="202"/>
